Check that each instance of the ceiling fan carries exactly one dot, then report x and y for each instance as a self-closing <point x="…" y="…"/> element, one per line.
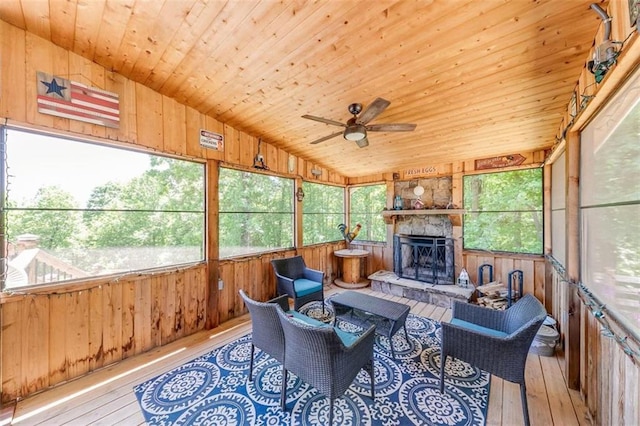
<point x="356" y="127"/>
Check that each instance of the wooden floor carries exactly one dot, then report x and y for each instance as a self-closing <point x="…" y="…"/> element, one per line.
<point x="106" y="397"/>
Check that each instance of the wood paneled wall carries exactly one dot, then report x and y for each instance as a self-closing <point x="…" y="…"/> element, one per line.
<point x="49" y="337"/>
<point x="532" y="267"/>
<point x="609" y="377"/>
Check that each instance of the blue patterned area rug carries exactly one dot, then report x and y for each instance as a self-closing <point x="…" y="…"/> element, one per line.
<point x="214" y="389"/>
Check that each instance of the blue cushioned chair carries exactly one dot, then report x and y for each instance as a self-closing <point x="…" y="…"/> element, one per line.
<point x="302" y="284"/>
<point x="266" y="331"/>
<point x="497" y="342"/>
<point x="324" y="357"/>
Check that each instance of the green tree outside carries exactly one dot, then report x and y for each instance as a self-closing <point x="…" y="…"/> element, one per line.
<point x="366" y="205"/>
<point x="49" y="215"/>
<point x="504" y="211"/>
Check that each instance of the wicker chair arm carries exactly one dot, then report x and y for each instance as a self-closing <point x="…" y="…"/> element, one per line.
<point x="285" y="285"/>
<point x="473" y="347"/>
<point x="282" y="301"/>
<point x="313" y="275"/>
<point x="364" y="340"/>
<point x="479" y="315"/>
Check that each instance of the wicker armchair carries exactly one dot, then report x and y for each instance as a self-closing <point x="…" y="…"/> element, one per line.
<point x="303" y="284"/>
<point x="266" y="331"/>
<point x="495" y="341"/>
<point x="325" y="357"/>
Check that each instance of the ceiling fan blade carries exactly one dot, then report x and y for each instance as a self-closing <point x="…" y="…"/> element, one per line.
<point x="333" y="135"/>
<point x="324" y="120"/>
<point x="363" y="142"/>
<point x="391" y="127"/>
<point x="373" y="110"/>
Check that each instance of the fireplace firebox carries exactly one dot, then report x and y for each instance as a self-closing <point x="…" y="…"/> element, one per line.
<point x="424" y="258"/>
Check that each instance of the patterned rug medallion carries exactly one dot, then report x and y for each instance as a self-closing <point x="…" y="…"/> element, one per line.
<point x="214" y="389"/>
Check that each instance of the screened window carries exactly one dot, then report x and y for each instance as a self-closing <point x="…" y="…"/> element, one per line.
<point x="558" y="210"/>
<point x="256" y="212"/>
<point x="504" y="211"/>
<point x="366" y="205"/>
<point x="322" y="211"/>
<point x="610" y="206"/>
<point x="74" y="209"/>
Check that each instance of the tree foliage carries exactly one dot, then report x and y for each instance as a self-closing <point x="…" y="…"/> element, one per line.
<point x="49" y="216"/>
<point x="323" y="210"/>
<point x="504" y="211"/>
<point x="256" y="212"/>
<point x="162" y="207"/>
<point x="366" y="205"/>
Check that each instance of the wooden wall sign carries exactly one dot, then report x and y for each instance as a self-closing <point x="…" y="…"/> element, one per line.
<point x="68" y="99"/>
<point x="211" y="140"/>
<point x="420" y="171"/>
<point x="498" y="162"/>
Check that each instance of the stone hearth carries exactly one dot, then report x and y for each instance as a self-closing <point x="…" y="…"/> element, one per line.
<point x="439" y="295"/>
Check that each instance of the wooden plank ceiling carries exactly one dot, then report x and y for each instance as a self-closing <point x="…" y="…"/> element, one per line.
<point x="479" y="78"/>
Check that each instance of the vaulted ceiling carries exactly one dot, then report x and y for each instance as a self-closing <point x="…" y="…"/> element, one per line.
<point x="479" y="78"/>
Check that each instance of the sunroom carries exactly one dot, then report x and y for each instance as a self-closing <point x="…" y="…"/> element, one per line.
<point x="157" y="156"/>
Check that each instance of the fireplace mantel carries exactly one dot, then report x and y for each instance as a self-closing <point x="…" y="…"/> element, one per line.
<point x="455" y="215"/>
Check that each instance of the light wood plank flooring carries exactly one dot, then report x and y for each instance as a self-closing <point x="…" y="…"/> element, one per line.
<point x="105" y="397"/>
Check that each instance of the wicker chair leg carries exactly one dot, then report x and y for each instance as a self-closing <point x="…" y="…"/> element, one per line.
<point x="443" y="361"/>
<point x="330" y="412"/>
<point x="283" y="392"/>
<point x="372" y="375"/>
<point x="251" y="364"/>
<point x="525" y="408"/>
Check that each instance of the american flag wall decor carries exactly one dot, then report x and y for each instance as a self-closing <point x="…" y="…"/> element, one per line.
<point x="65" y="98"/>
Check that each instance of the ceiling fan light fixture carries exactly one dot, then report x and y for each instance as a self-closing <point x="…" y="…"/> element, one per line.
<point x="355" y="132"/>
<point x="356" y="128"/>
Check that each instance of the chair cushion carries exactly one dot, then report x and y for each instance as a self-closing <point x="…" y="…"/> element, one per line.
<point x="304" y="286"/>
<point x="478" y="328"/>
<point x="346" y="337"/>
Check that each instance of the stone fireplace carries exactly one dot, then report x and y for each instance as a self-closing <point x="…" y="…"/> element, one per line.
<point x="424" y="246"/>
<point x="424" y="258"/>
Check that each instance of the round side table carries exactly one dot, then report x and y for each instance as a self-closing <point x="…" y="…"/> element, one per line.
<point x="351" y="268"/>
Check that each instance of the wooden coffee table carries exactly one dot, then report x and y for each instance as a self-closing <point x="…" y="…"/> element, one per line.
<point x="363" y="309"/>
